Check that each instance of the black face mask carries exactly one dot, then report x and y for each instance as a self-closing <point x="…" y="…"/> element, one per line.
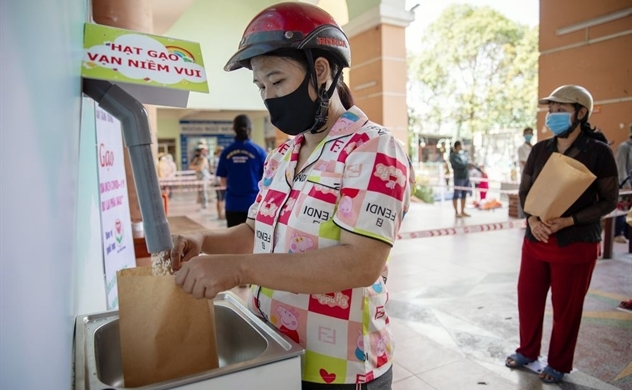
<point x="293" y="113"/>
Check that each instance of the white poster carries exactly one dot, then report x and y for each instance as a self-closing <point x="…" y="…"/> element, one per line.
<point x="116" y="225"/>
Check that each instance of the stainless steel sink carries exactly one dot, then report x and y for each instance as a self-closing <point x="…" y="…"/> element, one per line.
<point x="243" y="341"/>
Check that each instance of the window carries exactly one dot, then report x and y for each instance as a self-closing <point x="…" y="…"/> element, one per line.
<point x="167" y="145"/>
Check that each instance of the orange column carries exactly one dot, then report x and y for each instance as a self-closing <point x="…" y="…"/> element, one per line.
<point x="579" y="46"/>
<point x="378" y="66"/>
<point x="134" y="15"/>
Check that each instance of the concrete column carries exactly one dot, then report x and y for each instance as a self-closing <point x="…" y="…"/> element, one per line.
<point x="134" y="15"/>
<point x="378" y="61"/>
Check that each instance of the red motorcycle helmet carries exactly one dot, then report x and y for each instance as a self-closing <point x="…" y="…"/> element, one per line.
<point x="291" y="26"/>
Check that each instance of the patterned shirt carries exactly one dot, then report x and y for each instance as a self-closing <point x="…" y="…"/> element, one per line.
<point x="357" y="179"/>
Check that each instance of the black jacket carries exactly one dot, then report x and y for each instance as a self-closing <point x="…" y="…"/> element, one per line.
<point x="598" y="200"/>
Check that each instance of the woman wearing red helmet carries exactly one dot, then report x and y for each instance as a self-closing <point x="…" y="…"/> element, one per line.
<point x="331" y="202"/>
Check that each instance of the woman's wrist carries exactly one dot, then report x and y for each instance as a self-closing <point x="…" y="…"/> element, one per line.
<point x="244" y="269"/>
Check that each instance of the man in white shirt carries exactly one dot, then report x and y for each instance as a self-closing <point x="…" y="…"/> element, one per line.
<point x="167" y="170"/>
<point x="525" y="148"/>
<point x="623" y="156"/>
<point x="523" y="154"/>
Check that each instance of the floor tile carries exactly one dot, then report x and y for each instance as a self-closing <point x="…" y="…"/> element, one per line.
<point x="412" y="383"/>
<point x="400" y="373"/>
<point x="422" y="354"/>
<point x="453" y="311"/>
<point x="466" y="374"/>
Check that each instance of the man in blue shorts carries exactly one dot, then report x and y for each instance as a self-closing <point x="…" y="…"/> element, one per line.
<point x="460" y="167"/>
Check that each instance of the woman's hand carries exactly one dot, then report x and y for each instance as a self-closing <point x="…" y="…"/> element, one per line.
<point x="207" y="276"/>
<point x="185" y="247"/>
<point x="539" y="229"/>
<point x="558" y="224"/>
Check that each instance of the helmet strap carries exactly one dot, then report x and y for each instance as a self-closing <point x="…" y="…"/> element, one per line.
<point x="574" y="125"/>
<point x="323" y="96"/>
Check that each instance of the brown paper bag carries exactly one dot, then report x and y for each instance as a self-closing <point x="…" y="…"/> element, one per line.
<point x="558" y="186"/>
<point x="165" y="333"/>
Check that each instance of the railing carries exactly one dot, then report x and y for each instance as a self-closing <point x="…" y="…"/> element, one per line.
<point x="184" y="181"/>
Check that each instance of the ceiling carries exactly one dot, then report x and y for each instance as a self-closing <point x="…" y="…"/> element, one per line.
<point x="167" y="12"/>
<point x="198" y="114"/>
<point x="165" y="15"/>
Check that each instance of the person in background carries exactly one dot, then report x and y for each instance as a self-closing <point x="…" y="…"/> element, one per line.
<point x="626" y="306"/>
<point x="313" y="248"/>
<point x="219" y="194"/>
<point x="475" y="180"/>
<point x="525" y="148"/>
<point x="513" y="173"/>
<point x="560" y="254"/>
<point x="200" y="165"/>
<point x="479" y="178"/>
<point x="523" y="155"/>
<point x="623" y="157"/>
<point x="483" y="186"/>
<point x="239" y="169"/>
<point x="167" y="171"/>
<point x="460" y="163"/>
<point x="447" y="172"/>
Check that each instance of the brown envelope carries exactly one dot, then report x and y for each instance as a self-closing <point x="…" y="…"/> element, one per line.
<point x="165" y="333"/>
<point x="558" y="186"/>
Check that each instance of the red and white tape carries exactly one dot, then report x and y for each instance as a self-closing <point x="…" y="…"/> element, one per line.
<point x="478" y="189"/>
<point x="194" y="189"/>
<point x="189" y="185"/>
<point x="487" y="227"/>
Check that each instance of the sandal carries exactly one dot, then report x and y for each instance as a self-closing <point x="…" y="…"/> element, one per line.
<point x="625" y="306"/>
<point x="553" y="373"/>
<point x="519" y="360"/>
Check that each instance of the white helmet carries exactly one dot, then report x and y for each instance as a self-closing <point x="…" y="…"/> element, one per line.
<point x="570" y="94"/>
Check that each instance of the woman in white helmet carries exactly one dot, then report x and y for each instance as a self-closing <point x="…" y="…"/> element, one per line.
<point x="561" y="254"/>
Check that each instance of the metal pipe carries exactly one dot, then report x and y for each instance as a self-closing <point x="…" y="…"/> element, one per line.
<point x="137" y="135"/>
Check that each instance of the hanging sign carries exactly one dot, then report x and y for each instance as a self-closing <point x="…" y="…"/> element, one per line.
<point x="116" y="226"/>
<point x="139" y="61"/>
<point x="206" y="127"/>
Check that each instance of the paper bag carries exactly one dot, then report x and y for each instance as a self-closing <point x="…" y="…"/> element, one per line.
<point x="560" y="183"/>
<point x="165" y="333"/>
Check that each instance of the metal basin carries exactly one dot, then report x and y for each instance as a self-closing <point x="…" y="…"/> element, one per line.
<point x="243" y="342"/>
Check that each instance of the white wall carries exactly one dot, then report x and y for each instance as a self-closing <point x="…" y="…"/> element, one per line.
<point x="218" y="27"/>
<point x="41" y="47"/>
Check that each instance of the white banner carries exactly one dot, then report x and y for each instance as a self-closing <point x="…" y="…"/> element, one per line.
<point x="116" y="225"/>
<point x="207" y="127"/>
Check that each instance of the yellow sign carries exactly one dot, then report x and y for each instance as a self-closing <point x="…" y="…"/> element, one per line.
<point x="126" y="56"/>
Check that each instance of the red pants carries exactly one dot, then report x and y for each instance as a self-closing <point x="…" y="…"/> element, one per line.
<point x="567" y="271"/>
<point x="483" y="187"/>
